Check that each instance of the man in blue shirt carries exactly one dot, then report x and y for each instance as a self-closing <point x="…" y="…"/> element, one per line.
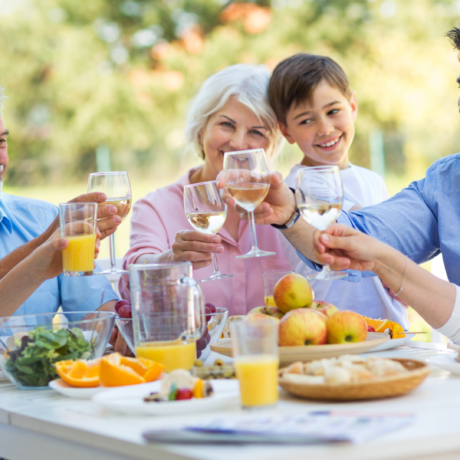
<point x="25" y="224"/>
<point x="421" y="221"/>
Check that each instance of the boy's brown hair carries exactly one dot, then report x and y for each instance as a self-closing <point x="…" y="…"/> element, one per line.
<point x="294" y="80"/>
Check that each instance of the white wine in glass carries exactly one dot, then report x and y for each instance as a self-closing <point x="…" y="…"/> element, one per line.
<point x="206" y="213"/>
<point x="116" y="186"/>
<point x="319" y="196"/>
<point x="248" y="182"/>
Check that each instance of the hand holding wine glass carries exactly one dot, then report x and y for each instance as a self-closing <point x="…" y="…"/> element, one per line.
<point x="118" y="190"/>
<point x="206" y="213"/>
<point x="248" y="182"/>
<point x="319" y="196"/>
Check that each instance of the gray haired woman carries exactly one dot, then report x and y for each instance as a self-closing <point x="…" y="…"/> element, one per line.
<point x="231" y="112"/>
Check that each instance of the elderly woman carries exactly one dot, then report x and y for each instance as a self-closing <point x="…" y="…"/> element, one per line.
<point x="230" y="112"/>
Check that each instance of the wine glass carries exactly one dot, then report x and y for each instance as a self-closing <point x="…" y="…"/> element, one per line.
<point x="248" y="183"/>
<point x="116" y="186"/>
<point x="319" y="196"/>
<point x="206" y="213"/>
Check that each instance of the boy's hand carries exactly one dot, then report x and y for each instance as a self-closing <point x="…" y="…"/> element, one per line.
<point x="277" y="208"/>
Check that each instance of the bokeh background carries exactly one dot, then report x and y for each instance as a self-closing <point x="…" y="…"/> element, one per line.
<point x="104" y="84"/>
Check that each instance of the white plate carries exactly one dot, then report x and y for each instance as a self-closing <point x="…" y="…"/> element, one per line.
<point x="129" y="400"/>
<point x="72" y="392"/>
<point x="446" y="362"/>
<point x="390" y="344"/>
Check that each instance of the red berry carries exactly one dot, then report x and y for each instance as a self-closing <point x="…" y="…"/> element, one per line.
<point x="120" y="303"/>
<point x="125" y="311"/>
<point x="370" y="329"/>
<point x="184" y="393"/>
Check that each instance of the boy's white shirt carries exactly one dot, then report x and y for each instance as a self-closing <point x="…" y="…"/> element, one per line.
<point x="361" y="187"/>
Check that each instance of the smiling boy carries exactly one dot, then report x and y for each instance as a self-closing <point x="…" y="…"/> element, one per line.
<point x="316" y="110"/>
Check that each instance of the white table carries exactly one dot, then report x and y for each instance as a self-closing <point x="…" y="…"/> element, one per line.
<point x="42" y="425"/>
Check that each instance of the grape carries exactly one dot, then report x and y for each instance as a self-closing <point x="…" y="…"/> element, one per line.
<point x="211" y="307"/>
<point x="120" y="303"/>
<point x="184" y="393"/>
<point x="125" y="311"/>
<point x="207" y="336"/>
<point x="198" y="353"/>
<point x="201" y="343"/>
<point x="370" y="329"/>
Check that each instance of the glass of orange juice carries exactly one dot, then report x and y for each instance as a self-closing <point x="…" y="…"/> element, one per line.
<point x="77" y="222"/>
<point x="168" y="313"/>
<point x="256" y="360"/>
<point x="270" y="279"/>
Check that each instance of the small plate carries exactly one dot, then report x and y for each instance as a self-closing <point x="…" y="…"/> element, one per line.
<point x="72" y="392"/>
<point x="390" y="344"/>
<point x="129" y="400"/>
<point x="446" y="362"/>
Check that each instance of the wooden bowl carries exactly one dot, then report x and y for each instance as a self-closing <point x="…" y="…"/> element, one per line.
<point x="290" y="355"/>
<point x="384" y="387"/>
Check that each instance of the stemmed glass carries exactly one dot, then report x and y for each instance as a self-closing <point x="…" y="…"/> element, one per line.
<point x="206" y="213"/>
<point x="248" y="182"/>
<point x="118" y="190"/>
<point x="319" y="196"/>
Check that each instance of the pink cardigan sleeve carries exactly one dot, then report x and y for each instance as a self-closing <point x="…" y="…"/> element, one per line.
<point x="148" y="232"/>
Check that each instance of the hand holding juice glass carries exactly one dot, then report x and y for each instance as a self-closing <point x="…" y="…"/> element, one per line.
<point x="255" y="353"/>
<point x="77" y="223"/>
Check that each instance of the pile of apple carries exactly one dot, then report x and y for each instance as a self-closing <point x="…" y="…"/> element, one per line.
<point x="303" y="321"/>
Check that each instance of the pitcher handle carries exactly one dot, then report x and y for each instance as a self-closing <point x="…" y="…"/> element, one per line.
<point x="195" y="299"/>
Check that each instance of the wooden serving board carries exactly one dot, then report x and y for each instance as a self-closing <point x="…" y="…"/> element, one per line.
<point x="384" y="387"/>
<point x="289" y="355"/>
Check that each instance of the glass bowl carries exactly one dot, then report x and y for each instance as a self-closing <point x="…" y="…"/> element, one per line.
<point x="215" y="327"/>
<point x="31" y="344"/>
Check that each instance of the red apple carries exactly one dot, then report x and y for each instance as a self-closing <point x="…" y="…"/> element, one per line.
<point x="324" y="307"/>
<point x="346" y="327"/>
<point x="292" y="291"/>
<point x="302" y="327"/>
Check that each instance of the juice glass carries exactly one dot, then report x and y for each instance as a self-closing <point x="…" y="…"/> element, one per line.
<point x="255" y="353"/>
<point x="168" y="313"/>
<point x="77" y="222"/>
<point x="270" y="279"/>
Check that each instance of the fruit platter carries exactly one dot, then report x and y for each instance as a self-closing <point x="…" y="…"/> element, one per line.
<point x="350" y="377"/>
<point x="311" y="329"/>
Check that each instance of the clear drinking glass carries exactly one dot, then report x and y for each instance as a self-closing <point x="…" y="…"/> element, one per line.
<point x="319" y="196"/>
<point x="168" y="313"/>
<point x="248" y="182"/>
<point x="206" y="213"/>
<point x="270" y="279"/>
<point x="256" y="360"/>
<point x="118" y="190"/>
<point x="77" y="223"/>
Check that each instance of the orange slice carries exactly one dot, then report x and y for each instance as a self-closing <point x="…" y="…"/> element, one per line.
<point x="79" y="373"/>
<point x="154" y="371"/>
<point x="114" y="373"/>
<point x="381" y="324"/>
<point x="146" y="368"/>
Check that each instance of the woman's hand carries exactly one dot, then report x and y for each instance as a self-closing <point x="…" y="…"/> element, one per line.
<point x="195" y="247"/>
<point x="278" y="206"/>
<point x="343" y="247"/>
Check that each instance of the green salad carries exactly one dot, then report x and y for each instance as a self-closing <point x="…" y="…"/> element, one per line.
<point x="32" y="364"/>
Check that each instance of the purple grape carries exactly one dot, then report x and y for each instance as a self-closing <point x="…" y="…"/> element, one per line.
<point x="125" y="311"/>
<point x="207" y="336"/>
<point x="201" y="343"/>
<point x="211" y="307"/>
<point x="120" y="303"/>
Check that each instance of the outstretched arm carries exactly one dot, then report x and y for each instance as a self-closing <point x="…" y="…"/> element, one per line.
<point x="343" y="247"/>
<point x="107" y="224"/>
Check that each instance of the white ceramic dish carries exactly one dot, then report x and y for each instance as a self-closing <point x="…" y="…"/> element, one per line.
<point x="72" y="392"/>
<point x="446" y="362"/>
<point x="390" y="344"/>
<point x="129" y="400"/>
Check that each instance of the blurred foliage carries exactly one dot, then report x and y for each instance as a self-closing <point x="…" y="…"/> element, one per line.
<point x="79" y="75"/>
